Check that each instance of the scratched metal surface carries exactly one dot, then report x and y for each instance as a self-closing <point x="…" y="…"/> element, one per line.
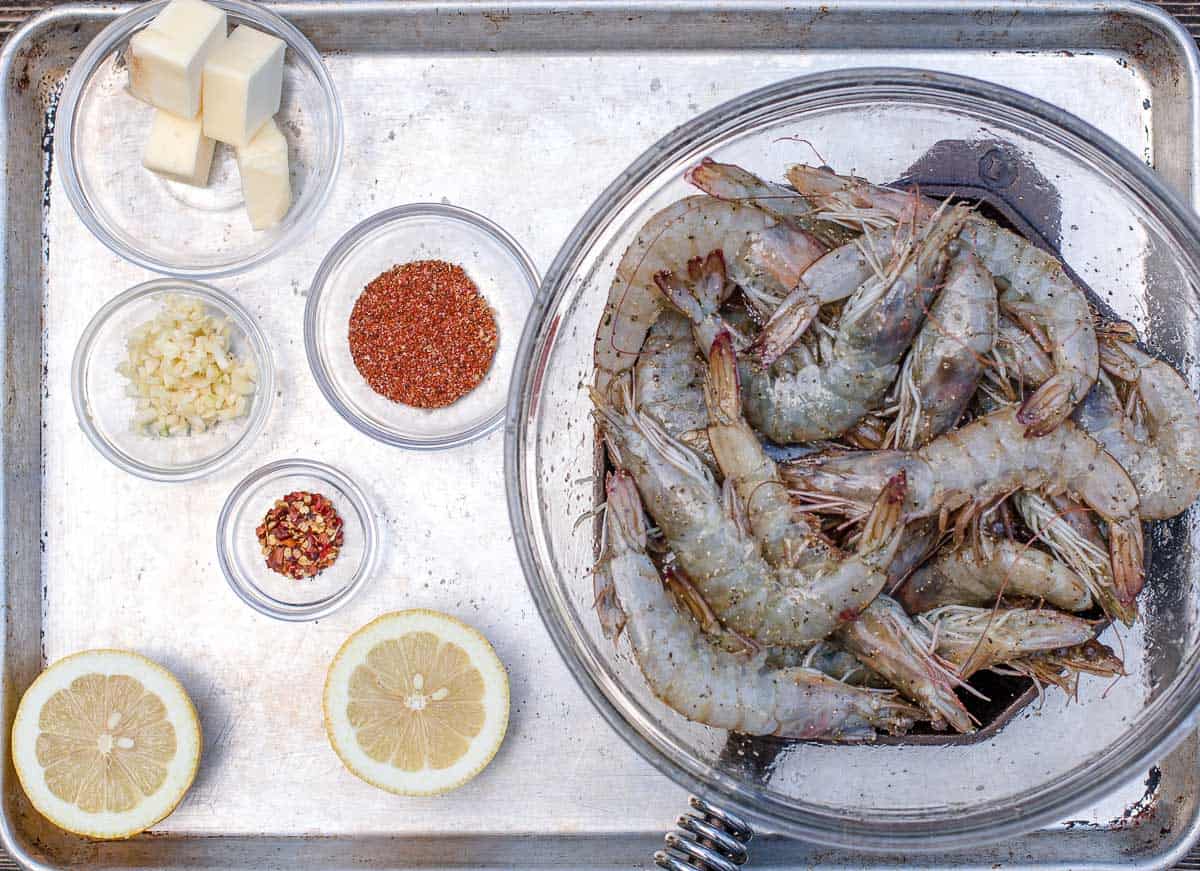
<point x="87" y="561"/>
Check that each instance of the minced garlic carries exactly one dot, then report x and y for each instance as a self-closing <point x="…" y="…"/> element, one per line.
<point x="182" y="372"/>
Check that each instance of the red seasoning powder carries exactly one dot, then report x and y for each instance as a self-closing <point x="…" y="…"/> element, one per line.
<point x="422" y="334"/>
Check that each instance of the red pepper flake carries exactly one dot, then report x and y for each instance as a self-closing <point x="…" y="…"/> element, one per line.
<point x="301" y="535"/>
<point x="422" y="334"/>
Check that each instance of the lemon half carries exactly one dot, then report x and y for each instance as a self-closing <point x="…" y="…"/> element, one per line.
<point x="416" y="702"/>
<point x="106" y="743"/>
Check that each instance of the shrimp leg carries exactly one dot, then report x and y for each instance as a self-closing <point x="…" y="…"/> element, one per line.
<point x="1067" y="530"/>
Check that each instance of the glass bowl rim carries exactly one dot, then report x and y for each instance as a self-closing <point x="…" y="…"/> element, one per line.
<point x="108" y="40"/>
<point x="1077" y="788"/>
<point x="228" y="306"/>
<point x="362" y="506"/>
<point x="337" y="255"/>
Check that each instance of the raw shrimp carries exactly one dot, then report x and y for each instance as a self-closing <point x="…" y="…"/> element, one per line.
<point x="943" y="368"/>
<point x="876" y="328"/>
<point x="782" y="272"/>
<point x="732" y="183"/>
<point x="973" y="467"/>
<point x="669" y="382"/>
<point x="682" y="231"/>
<point x="1037" y="290"/>
<point x="970" y="576"/>
<point x="1062" y="667"/>
<point x="885" y="639"/>
<point x="1067" y="529"/>
<point x="790" y="607"/>
<point x="686" y="671"/>
<point x="978" y="638"/>
<point x="1159" y="446"/>
<point x="835" y="276"/>
<point x="771" y="263"/>
<point x="775" y="523"/>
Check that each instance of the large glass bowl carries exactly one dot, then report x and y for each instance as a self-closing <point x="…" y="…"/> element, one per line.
<point x="1124" y="233"/>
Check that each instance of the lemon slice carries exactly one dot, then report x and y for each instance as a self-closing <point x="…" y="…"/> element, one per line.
<point x="105" y="743"/>
<point x="416" y="702"/>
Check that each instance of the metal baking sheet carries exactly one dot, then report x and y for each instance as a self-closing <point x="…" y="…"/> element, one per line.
<point x="524" y="112"/>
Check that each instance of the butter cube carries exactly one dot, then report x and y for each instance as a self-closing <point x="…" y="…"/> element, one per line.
<point x="263" y="165"/>
<point x="166" y="58"/>
<point x="243" y="79"/>
<point x="178" y="149"/>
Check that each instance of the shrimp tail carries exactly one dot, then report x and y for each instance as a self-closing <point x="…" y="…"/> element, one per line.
<point x="1049" y="405"/>
<point x="1114" y="359"/>
<point x="785" y="327"/>
<point x="1125" y="547"/>
<point x="885" y="524"/>
<point x="721" y="388"/>
<point x="680" y="295"/>
<point x="725" y="181"/>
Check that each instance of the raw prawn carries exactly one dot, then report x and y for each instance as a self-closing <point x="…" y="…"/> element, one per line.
<point x="885" y="639"/>
<point x="876" y="328"/>
<point x="970" y="576"/>
<point x="790" y="607"/>
<point x="686" y="671"/>
<point x="1159" y="446"/>
<point x="973" y="467"/>
<point x="833" y="277"/>
<point x="978" y="638"/>
<point x="1037" y="291"/>
<point x="941" y="372"/>
<point x="780" y="529"/>
<point x="1062" y="667"/>
<point x="681" y="232"/>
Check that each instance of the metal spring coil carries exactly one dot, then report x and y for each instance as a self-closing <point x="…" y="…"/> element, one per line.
<point x="714" y="840"/>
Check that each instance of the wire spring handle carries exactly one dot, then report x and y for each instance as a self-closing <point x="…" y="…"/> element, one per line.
<point x="711" y="839"/>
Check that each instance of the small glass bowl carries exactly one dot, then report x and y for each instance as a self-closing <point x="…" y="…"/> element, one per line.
<point x="506" y="278"/>
<point x="172" y="227"/>
<point x="105" y="411"/>
<point x="241" y="558"/>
